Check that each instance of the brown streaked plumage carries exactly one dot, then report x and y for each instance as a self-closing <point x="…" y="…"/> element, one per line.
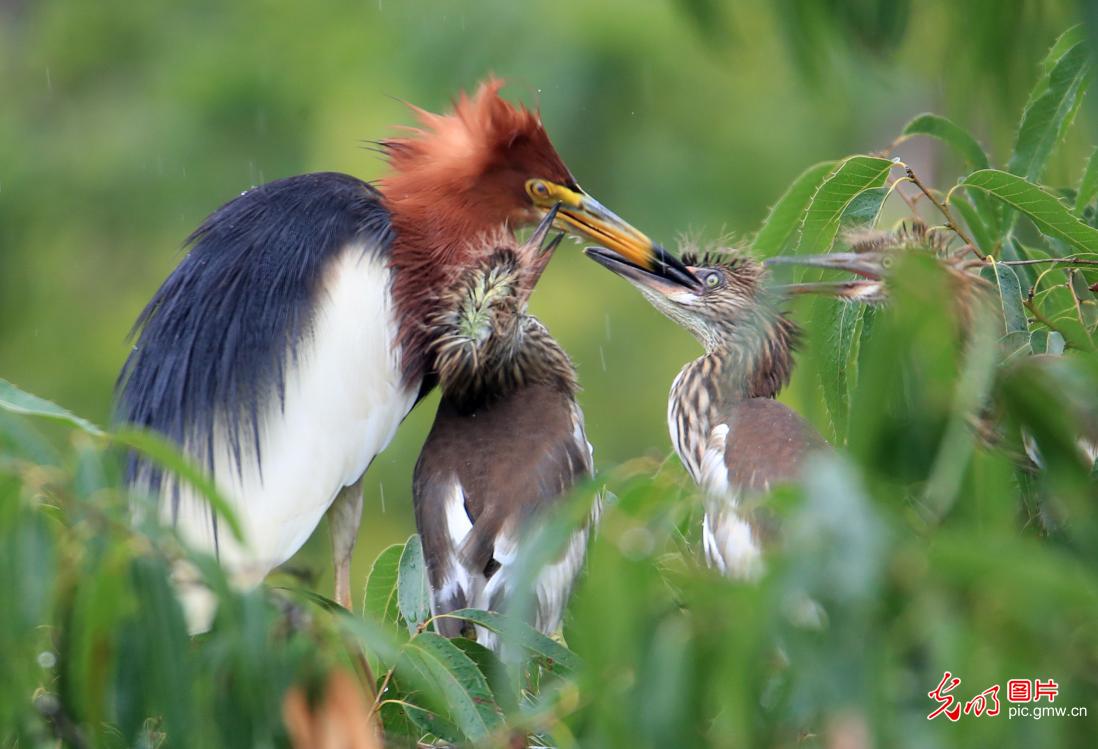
<point x="733" y="437"/>
<point x="508" y="440"/>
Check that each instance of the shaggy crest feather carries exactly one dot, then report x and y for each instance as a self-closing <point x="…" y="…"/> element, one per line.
<point x="454" y="180"/>
<point x="913" y="235"/>
<point x="485" y="344"/>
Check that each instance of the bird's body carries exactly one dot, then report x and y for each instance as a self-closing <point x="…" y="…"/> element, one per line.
<point x="296" y="353"/>
<point x="733" y="437"/>
<point x="287" y="346"/>
<point x="734" y="446"/>
<point x="507" y="442"/>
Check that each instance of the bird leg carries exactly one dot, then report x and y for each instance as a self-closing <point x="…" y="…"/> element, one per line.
<point x="344" y="517"/>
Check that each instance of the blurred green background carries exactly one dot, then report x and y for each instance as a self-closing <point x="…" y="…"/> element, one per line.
<point x="123" y="124"/>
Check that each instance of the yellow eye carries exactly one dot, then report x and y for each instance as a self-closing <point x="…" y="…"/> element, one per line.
<point x="537" y="189"/>
<point x="712" y="280"/>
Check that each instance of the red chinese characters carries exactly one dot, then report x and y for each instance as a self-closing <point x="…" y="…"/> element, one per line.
<point x="985" y="703"/>
<point x="1019" y="690"/>
<point x="946" y="703"/>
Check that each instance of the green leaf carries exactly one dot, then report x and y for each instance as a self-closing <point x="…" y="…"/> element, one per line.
<point x="1072" y="36"/>
<point x="521" y="634"/>
<point x="1075" y="334"/>
<point x="430" y="722"/>
<point x="438" y="662"/>
<point x="21" y="402"/>
<point x="1010" y="297"/>
<point x="494" y="672"/>
<point x="821" y="221"/>
<point x="786" y="215"/>
<point x="413" y="594"/>
<point x="837" y="360"/>
<point x="1049" y="215"/>
<point x="1085" y="304"/>
<point x="1088" y="185"/>
<point x="398" y="728"/>
<point x="1049" y="114"/>
<point x="1054" y="344"/>
<point x="379" y="601"/>
<point x="977" y="229"/>
<point x="949" y="132"/>
<point x="166" y="454"/>
<point x="865" y="208"/>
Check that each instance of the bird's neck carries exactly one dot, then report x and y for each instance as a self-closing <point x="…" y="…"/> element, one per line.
<point x="750" y="361"/>
<point x="433" y="244"/>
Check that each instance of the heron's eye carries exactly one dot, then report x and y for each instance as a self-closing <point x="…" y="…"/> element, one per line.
<point x="537" y="189"/>
<point x="712" y="280"/>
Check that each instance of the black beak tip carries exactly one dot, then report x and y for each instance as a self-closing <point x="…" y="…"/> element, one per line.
<point x="672" y="268"/>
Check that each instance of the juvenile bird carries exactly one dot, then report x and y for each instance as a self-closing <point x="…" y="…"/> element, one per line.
<point x="734" y="439"/>
<point x="507" y="442"/>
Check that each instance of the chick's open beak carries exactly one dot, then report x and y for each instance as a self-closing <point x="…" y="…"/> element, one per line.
<point x="870" y="267"/>
<point x="666" y="284"/>
<point x="581" y="215"/>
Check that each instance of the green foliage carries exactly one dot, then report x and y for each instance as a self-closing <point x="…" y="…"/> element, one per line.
<point x="951" y="133"/>
<point x="955" y="528"/>
<point x="1045" y="210"/>
<point x="821" y="219"/>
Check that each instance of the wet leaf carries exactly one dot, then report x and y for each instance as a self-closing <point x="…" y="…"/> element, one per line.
<point x="380" y="600"/>
<point x="413" y="594"/>
<point x="437" y="661"/>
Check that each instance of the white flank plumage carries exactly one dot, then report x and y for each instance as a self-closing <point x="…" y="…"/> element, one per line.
<point x="554" y="582"/>
<point x="343" y="402"/>
<point x="457" y="578"/>
<point x="728" y="540"/>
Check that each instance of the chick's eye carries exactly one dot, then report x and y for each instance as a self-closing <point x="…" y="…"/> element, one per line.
<point x="712" y="280"/>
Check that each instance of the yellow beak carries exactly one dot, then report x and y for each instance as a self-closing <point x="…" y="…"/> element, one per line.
<point x="582" y="216"/>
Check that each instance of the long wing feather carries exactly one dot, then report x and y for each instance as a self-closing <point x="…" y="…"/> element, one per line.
<point x="269" y="355"/>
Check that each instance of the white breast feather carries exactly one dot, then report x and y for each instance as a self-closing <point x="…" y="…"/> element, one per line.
<point x="343" y="402"/>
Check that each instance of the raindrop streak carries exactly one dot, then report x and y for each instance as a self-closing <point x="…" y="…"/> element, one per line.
<point x="49" y="81"/>
<point x="381" y="491"/>
<point x="602" y="357"/>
